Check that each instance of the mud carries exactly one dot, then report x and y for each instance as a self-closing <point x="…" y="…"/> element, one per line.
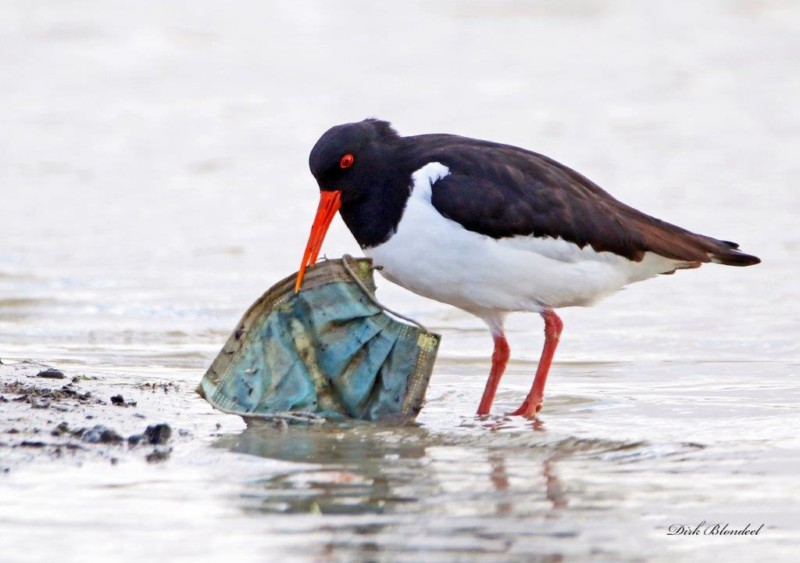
<point x="44" y="419"/>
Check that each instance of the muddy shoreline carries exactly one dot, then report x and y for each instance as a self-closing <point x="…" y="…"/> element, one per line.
<point x="51" y="414"/>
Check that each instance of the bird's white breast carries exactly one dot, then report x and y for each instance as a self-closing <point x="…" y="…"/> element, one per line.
<point x="439" y="259"/>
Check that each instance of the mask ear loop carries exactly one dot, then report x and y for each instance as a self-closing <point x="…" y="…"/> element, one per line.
<point x="377" y="303"/>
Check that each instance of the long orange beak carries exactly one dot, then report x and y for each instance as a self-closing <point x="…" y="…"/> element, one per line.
<point x="329" y="203"/>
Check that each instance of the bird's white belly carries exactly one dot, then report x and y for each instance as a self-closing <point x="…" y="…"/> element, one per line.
<point x="439" y="259"/>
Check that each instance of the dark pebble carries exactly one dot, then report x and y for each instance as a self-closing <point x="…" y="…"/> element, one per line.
<point x="51" y="373"/>
<point x="119" y="401"/>
<point x="157" y="434"/>
<point x="100" y="434"/>
<point x="60" y="429"/>
<point x="32" y="444"/>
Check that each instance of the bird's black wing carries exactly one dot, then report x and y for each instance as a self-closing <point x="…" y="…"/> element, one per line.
<point x="503" y="191"/>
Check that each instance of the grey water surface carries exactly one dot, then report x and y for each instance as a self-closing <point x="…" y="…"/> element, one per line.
<point x="154" y="182"/>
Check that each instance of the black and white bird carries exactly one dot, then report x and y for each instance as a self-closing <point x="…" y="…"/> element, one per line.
<point x="492" y="229"/>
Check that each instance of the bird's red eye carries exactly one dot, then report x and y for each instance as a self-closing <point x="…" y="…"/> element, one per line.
<point x="347" y="161"/>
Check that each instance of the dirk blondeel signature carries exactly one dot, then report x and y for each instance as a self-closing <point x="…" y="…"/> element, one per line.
<point x="718" y="529"/>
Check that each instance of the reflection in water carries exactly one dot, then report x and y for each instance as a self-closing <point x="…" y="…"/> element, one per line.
<point x="484" y="499"/>
<point x="369" y="490"/>
<point x="499" y="477"/>
<point x="555" y="490"/>
<point x="362" y="471"/>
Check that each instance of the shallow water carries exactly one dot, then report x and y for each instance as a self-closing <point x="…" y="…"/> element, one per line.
<point x="153" y="168"/>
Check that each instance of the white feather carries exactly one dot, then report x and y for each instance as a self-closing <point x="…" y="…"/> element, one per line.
<point x="438" y="258"/>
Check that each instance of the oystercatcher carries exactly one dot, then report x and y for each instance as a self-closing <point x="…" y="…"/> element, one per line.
<point x="492" y="229"/>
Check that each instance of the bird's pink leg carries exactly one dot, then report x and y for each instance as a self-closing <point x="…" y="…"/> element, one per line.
<point x="552" y="332"/>
<point x="499" y="361"/>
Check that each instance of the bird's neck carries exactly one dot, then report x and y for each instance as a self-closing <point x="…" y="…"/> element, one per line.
<point x="373" y="218"/>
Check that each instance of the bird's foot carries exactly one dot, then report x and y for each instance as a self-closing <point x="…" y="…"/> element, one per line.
<point x="529" y="408"/>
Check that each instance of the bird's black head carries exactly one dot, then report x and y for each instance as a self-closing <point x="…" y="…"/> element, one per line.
<point x="347" y="157"/>
<point x="351" y="164"/>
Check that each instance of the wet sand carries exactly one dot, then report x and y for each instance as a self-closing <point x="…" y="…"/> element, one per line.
<point x="50" y="416"/>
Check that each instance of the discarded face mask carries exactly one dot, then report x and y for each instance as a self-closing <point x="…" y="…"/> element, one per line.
<point x="330" y="351"/>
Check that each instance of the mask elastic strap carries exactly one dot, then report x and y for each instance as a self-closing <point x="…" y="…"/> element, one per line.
<point x="377" y="303"/>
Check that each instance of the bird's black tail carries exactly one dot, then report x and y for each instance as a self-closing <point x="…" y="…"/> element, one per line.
<point x="730" y="255"/>
<point x="694" y="249"/>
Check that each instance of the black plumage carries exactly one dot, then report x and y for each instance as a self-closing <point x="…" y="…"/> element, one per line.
<point x="496" y="190"/>
<point x="503" y="191"/>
